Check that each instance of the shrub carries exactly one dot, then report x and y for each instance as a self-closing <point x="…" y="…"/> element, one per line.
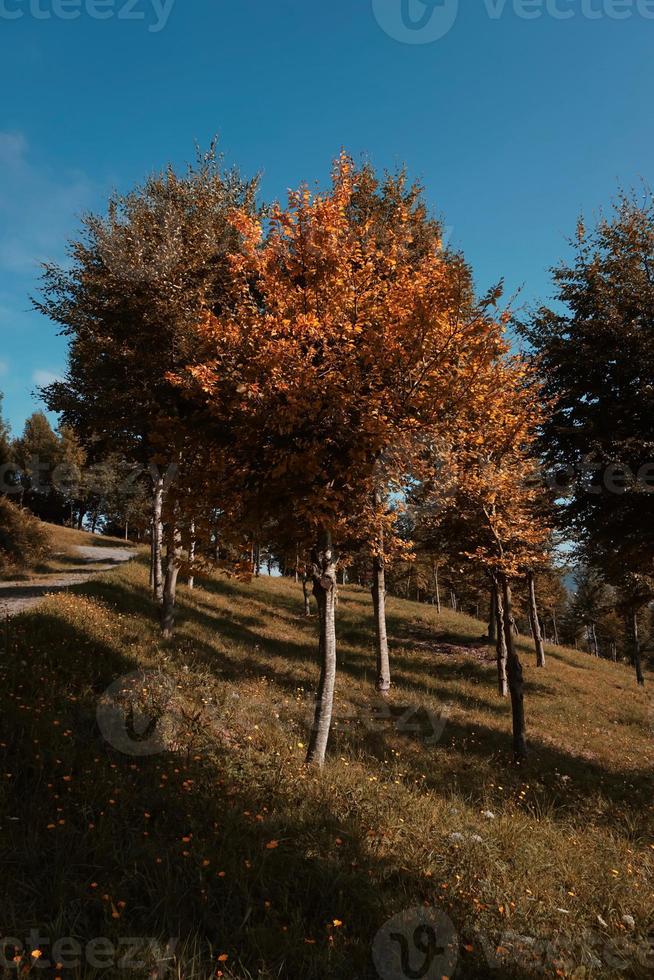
<point x="23" y="539"/>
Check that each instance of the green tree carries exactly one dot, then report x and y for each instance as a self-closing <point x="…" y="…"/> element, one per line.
<point x="589" y="604"/>
<point x="68" y="474"/>
<point x="138" y="279"/>
<point x="6" y="454"/>
<point x="596" y="352"/>
<point x="37" y="453"/>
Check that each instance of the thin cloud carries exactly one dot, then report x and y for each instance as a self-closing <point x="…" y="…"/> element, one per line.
<point x="42" y="377"/>
<point x="39" y="207"/>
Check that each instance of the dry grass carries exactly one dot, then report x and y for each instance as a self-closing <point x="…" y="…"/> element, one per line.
<point x="62" y="556"/>
<point x="64" y="538"/>
<point x="225" y="841"/>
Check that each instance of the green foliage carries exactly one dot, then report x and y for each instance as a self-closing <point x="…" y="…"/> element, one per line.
<point x="49" y="468"/>
<point x="139" y="275"/>
<point x="597" y="358"/>
<point x="115" y="491"/>
<point x="5" y="442"/>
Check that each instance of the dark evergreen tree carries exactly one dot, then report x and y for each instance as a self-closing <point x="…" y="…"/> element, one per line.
<point x="596" y="352"/>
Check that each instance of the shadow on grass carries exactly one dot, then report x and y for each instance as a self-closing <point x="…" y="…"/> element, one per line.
<point x="469" y="755"/>
<point x="221" y="851"/>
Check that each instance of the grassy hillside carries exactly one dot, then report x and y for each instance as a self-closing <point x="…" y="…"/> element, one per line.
<point x="63" y="539"/>
<point x="62" y="554"/>
<point x="206" y="829"/>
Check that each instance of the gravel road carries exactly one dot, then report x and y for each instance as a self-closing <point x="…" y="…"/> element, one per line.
<point x="17" y="596"/>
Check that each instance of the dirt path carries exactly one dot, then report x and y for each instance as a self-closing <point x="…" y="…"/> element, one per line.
<point x="87" y="562"/>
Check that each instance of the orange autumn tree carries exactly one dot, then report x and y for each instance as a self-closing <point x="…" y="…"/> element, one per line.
<point x="500" y="507"/>
<point x="330" y="373"/>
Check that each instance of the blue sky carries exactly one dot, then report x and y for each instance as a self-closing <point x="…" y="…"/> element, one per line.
<point x="514" y="123"/>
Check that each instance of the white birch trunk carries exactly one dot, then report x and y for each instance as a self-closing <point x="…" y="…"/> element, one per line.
<point x="173" y="558"/>
<point x="383" y="680"/>
<point x="157" y="539"/>
<point x="324" y="589"/>
<point x="535" y="622"/>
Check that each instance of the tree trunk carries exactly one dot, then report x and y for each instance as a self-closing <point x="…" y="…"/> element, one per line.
<point x="173" y="556"/>
<point x="438" y="591"/>
<point x="515" y="679"/>
<point x="492" y="617"/>
<point x="191" y="557"/>
<point x="307" y="594"/>
<point x="152" y="555"/>
<point x="636" y="640"/>
<point x="534" y="621"/>
<point x="383" y="680"/>
<point x="555" y="627"/>
<point x="324" y="589"/>
<point x="500" y="643"/>
<point x="157" y="539"/>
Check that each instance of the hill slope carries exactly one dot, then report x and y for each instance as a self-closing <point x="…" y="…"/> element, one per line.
<point x="204" y="828"/>
<point x="62" y="553"/>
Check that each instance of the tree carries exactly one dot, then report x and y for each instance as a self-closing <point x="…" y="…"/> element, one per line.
<point x="4" y="435"/>
<point x="68" y="474"/>
<point x="387" y="210"/>
<point x="553" y="596"/>
<point x="6" y="469"/>
<point x="596" y="353"/>
<point x="128" y="507"/>
<point x="37" y="452"/>
<point x="494" y="510"/>
<point x="138" y="279"/>
<point x="334" y="367"/>
<point x="591" y="600"/>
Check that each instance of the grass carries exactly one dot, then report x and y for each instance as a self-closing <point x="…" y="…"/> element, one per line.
<point x="62" y="555"/>
<point x="220" y="854"/>
<point x="64" y="538"/>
